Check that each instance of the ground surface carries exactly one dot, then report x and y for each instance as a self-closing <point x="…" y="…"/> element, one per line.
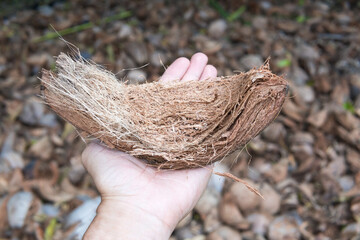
<point x="306" y="163"/>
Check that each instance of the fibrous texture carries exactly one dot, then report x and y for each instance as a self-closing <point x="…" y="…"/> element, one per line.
<point x="170" y="125"/>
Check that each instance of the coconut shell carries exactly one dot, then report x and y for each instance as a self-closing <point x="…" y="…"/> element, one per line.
<point x="170" y="125"/>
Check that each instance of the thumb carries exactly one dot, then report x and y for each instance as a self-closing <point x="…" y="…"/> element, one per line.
<point x="92" y="156"/>
<point x="97" y="159"/>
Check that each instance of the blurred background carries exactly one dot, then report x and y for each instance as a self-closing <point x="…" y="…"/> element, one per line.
<point x="306" y="163"/>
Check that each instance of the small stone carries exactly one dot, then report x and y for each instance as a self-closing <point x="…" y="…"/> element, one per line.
<point x="337" y="166"/>
<point x="224" y="233"/>
<point x="39" y="59"/>
<point x="346" y="183"/>
<point x="46" y="10"/>
<point x="9" y="159"/>
<point x="288" y="26"/>
<point x="305" y="93"/>
<point x="283" y="227"/>
<point x="259" y="223"/>
<point x="208" y="200"/>
<point x="355" y="208"/>
<point x="125" y="31"/>
<point x="343" y="18"/>
<point x="340" y="93"/>
<point x="77" y="170"/>
<point x="261" y="35"/>
<point x="265" y="5"/>
<point x="323" y="84"/>
<point x="257" y="145"/>
<point x="245" y="199"/>
<point x="207" y="45"/>
<point x="291" y="200"/>
<point x="347" y="120"/>
<point x="354" y="85"/>
<point x="357" y="105"/>
<point x="217" y="28"/>
<point x="57" y="140"/>
<point x="211" y="222"/>
<point x="293" y="111"/>
<point x="184" y="233"/>
<point x="298" y="76"/>
<point x="48" y="120"/>
<point x="185" y="221"/>
<point x="312" y="68"/>
<point x="189" y="14"/>
<point x="136" y="76"/>
<point x="259" y="22"/>
<point x="251" y="61"/>
<point x="274" y="132"/>
<point x="278" y="172"/>
<point x="42" y="148"/>
<point x="307" y="190"/>
<point x="318" y="119"/>
<point x="322" y="6"/>
<point x="211" y="47"/>
<point x="253" y="174"/>
<point x="250" y="235"/>
<point x="124" y="62"/>
<point x="351" y="137"/>
<point x="198" y="237"/>
<point x="155" y="39"/>
<point x="33" y="113"/>
<point x="137" y="51"/>
<point x="3" y="68"/>
<point x="288" y="183"/>
<point x="350" y="231"/>
<point x="322" y="236"/>
<point x="50" y="210"/>
<point x="302" y="152"/>
<point x="353" y="159"/>
<point x="347" y="65"/>
<point x="216" y="182"/>
<point x="4" y="186"/>
<point x="18" y="207"/>
<point x="302" y="138"/>
<point x="272" y="201"/>
<point x="230" y="214"/>
<point x="158" y="59"/>
<point x="193" y="231"/>
<point x="261" y="165"/>
<point x="206" y="13"/>
<point x="82" y="216"/>
<point x="307" y="52"/>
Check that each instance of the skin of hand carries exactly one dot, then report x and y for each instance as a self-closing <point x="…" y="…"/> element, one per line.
<point x="140" y="202"/>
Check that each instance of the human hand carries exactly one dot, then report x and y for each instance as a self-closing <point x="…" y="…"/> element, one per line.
<point x="140" y="202"/>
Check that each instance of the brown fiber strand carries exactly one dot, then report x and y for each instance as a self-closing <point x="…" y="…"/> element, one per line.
<point x="251" y="188"/>
<point x="171" y="125"/>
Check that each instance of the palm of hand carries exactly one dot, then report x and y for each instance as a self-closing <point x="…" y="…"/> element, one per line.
<point x="166" y="195"/>
<point x="129" y="181"/>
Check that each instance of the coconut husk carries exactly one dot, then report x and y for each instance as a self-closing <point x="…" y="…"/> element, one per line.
<point x="170" y="125"/>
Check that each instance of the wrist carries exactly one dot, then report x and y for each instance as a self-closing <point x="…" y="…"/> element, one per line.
<point x="118" y="220"/>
